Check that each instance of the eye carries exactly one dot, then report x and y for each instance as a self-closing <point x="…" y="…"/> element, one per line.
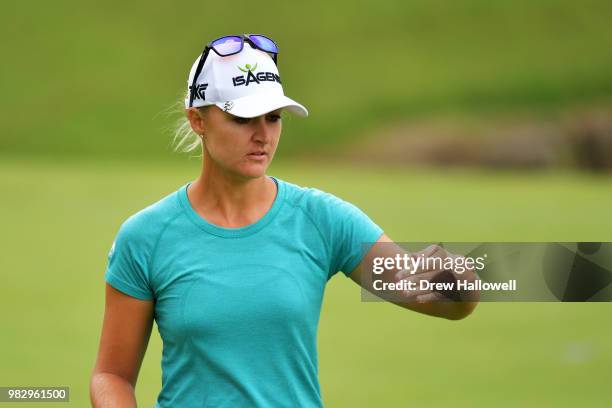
<point x="241" y="121"/>
<point x="274" y="118"/>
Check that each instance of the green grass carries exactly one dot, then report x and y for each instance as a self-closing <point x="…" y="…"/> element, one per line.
<point x="96" y="78"/>
<point x="59" y="218"/>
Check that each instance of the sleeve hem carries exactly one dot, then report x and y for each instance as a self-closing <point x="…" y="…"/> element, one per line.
<point x="126" y="288"/>
<point x="351" y="267"/>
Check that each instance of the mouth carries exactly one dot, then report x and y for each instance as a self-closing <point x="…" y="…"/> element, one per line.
<point x="260" y="155"/>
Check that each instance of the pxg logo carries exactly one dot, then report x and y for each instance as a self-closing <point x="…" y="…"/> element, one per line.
<point x="198" y="91"/>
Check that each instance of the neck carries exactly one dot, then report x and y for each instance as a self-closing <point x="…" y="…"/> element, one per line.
<point x="231" y="201"/>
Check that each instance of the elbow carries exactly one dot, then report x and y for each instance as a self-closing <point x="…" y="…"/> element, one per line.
<point x="461" y="311"/>
<point x="108" y="389"/>
<point x="464" y="308"/>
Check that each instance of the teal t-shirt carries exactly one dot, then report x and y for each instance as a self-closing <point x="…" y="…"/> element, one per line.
<point x="238" y="308"/>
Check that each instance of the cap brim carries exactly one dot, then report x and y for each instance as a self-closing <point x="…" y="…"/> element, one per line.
<point x="260" y="104"/>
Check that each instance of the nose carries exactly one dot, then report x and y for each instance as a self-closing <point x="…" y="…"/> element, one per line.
<point x="262" y="131"/>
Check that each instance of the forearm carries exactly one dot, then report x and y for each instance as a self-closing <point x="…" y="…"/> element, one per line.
<point x="401" y="282"/>
<point x="111" y="390"/>
<point x="454" y="304"/>
<point x="444" y="309"/>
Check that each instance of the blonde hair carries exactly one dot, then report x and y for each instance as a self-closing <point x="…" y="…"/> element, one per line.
<point x="184" y="139"/>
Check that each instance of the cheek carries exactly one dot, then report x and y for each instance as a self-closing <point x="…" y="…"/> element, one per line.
<point x="226" y="144"/>
<point x="276" y="131"/>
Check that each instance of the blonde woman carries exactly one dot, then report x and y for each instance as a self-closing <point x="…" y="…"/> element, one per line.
<point x="233" y="265"/>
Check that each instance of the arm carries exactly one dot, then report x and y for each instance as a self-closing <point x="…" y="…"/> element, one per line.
<point x="446" y="309"/>
<point x="125" y="335"/>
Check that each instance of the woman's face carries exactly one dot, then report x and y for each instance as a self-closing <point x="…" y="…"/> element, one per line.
<point x="242" y="147"/>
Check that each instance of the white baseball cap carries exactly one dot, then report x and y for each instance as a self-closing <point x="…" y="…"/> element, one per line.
<point x="246" y="84"/>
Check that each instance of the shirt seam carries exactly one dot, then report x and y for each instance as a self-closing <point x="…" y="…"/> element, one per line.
<point x="321" y="235"/>
<point x="156" y="246"/>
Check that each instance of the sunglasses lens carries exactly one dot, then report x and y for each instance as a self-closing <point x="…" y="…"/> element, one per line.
<point x="227" y="45"/>
<point x="264" y="43"/>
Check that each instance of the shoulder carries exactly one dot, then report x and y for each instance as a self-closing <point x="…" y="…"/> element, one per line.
<point x="308" y="197"/>
<point x="343" y="226"/>
<point x="316" y="202"/>
<point x="146" y="224"/>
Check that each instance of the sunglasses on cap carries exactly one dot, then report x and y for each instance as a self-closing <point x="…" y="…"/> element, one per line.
<point x="230" y="45"/>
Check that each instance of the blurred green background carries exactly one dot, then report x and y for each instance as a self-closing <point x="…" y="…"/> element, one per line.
<point x="90" y="92"/>
<point x="89" y="77"/>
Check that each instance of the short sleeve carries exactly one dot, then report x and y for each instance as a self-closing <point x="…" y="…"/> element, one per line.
<point x="127" y="267"/>
<point x="352" y="234"/>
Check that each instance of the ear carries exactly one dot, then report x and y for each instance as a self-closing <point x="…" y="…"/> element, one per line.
<point x="196" y="120"/>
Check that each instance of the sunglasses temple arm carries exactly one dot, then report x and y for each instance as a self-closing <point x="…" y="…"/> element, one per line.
<point x="192" y="88"/>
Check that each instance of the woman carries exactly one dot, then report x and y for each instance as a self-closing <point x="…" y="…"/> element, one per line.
<point x="232" y="266"/>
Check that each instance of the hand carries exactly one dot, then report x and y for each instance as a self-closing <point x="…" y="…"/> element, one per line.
<point x="433" y="276"/>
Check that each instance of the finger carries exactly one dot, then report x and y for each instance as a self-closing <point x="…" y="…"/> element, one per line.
<point x="425" y="252"/>
<point x="430" y="259"/>
<point x="432" y="281"/>
<point x="431" y="264"/>
<point x="403" y="273"/>
<point x="424" y="296"/>
<point x="422" y="275"/>
<point x="421" y="284"/>
<point x="407" y="273"/>
<point x="435" y="250"/>
<point x="431" y="297"/>
<point x="460" y="264"/>
<point x="412" y="294"/>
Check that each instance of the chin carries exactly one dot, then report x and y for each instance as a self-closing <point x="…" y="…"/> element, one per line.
<point x="253" y="172"/>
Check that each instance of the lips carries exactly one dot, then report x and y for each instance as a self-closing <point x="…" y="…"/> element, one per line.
<point x="258" y="156"/>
